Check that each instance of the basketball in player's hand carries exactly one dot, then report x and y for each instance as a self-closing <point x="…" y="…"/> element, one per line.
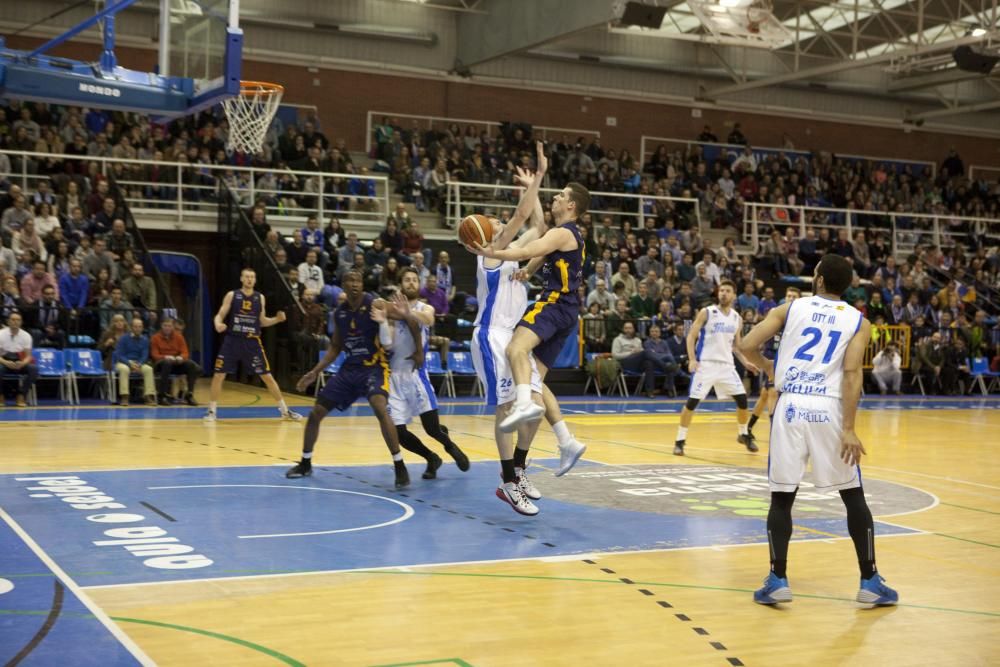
<point x="475" y="230"/>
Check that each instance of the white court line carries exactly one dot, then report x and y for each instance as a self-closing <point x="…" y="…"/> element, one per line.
<point x="943" y="419"/>
<point x="98" y="613"/>
<point x="407" y="510"/>
<point x="937" y="477"/>
<point x="579" y="556"/>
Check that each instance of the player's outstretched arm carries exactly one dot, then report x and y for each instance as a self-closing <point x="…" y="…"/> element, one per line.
<point x="529" y="199"/>
<point x="336" y="345"/>
<point x="554" y="240"/>
<point x="692" y="339"/>
<point x="751" y="366"/>
<point x="537" y="230"/>
<point x="266" y="321"/>
<point x="220" y="317"/>
<point x="748" y="347"/>
<point x="850" y="392"/>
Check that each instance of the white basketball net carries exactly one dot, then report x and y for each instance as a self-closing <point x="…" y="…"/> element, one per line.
<point x="250" y="115"/>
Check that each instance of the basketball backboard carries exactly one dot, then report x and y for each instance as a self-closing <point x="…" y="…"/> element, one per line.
<point x="199" y="64"/>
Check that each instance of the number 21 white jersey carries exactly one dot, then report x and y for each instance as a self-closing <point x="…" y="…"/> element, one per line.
<point x="813" y="342"/>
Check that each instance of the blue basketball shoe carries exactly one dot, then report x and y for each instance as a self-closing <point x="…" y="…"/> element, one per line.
<point x="874" y="591"/>
<point x="775" y="590"/>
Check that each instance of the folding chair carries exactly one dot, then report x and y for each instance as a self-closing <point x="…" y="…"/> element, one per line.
<point x="460" y="363"/>
<point x="979" y="370"/>
<point x="86" y="363"/>
<point x="52" y="366"/>
<point x="434" y="368"/>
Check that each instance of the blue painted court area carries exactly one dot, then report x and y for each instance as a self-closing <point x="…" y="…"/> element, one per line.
<point x="44" y="623"/>
<point x="196" y="523"/>
<point x="468" y="407"/>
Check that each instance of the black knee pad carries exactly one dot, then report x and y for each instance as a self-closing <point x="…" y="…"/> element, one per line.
<point x="741" y="401"/>
<point x="692" y="403"/>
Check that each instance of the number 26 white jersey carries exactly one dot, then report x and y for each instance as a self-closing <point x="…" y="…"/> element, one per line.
<point x="813" y="343"/>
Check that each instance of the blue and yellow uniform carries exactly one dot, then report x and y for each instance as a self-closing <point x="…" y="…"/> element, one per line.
<point x="242" y="340"/>
<point x="365" y="372"/>
<point x="554" y="316"/>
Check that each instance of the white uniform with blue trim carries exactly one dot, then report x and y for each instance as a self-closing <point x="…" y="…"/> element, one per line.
<point x="410" y="390"/>
<point x="502" y="302"/>
<point x="808" y="419"/>
<point x="714" y="353"/>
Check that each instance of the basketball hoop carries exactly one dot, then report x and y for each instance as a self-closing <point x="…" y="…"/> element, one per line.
<point x="250" y="114"/>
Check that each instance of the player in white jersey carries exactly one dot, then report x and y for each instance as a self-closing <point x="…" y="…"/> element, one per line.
<point x="410" y="390"/>
<point x="710" y="344"/>
<point x="818" y="374"/>
<point x="503" y="300"/>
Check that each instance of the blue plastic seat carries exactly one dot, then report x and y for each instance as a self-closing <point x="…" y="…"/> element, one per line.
<point x="88" y="364"/>
<point x="52" y="365"/>
<point x="434" y="368"/>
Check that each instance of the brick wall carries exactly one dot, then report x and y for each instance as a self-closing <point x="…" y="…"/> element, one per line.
<point x="344" y="98"/>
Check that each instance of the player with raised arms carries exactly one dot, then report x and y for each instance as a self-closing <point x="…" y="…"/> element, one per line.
<point x="503" y="301"/>
<point x="410" y="390"/>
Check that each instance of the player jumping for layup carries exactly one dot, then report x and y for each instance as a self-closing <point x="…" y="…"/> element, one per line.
<point x="818" y="375"/>
<point x="710" y="351"/>
<point x="502" y="301"/>
<point x="410" y="390"/>
<point x="365" y="372"/>
<point x="544" y="328"/>
<point x="243" y="309"/>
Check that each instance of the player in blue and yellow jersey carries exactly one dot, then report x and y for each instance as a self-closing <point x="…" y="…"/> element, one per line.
<point x="544" y="328"/>
<point x="240" y="318"/>
<point x="364" y="373"/>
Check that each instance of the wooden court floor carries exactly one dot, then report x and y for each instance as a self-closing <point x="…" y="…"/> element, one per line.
<point x="644" y="606"/>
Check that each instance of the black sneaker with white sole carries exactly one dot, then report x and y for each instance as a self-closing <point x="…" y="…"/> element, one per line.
<point x="679" y="448"/>
<point x="748" y="442"/>
<point x="303" y="468"/>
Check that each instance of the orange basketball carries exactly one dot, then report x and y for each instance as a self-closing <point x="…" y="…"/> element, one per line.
<point x="475" y="230"/>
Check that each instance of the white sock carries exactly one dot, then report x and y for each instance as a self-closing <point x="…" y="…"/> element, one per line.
<point x="398" y="456"/>
<point x="562" y="433"/>
<point x="211" y="406"/>
<point x="307" y="455"/>
<point x="681" y="433"/>
<point x="742" y="428"/>
<point x="523" y="398"/>
<point x="282" y="408"/>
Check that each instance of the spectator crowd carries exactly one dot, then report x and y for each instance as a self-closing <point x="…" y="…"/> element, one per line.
<point x="70" y="266"/>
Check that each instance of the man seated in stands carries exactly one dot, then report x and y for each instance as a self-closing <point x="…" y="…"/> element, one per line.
<point x="34" y="283"/>
<point x="132" y="356"/>
<point x="139" y="290"/>
<point x="74" y="289"/>
<point x="46" y="316"/>
<point x="310" y="273"/>
<point x="119" y="240"/>
<point x="16" y="359"/>
<point x="169" y="352"/>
